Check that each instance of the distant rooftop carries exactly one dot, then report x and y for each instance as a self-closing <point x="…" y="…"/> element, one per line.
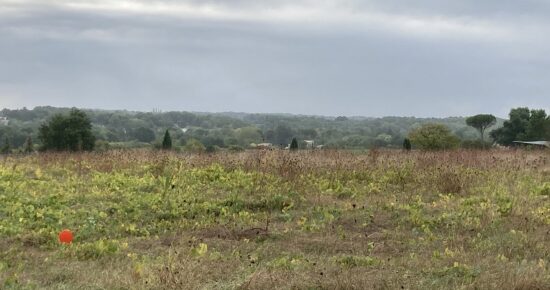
<point x="538" y="143"/>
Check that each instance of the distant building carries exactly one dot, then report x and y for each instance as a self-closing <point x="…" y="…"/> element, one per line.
<point x="310" y="144"/>
<point x="264" y="146"/>
<point x="535" y="143"/>
<point x="4" y="121"/>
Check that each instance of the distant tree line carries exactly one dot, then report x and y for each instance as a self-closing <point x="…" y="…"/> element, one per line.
<point x="523" y="125"/>
<point x="86" y="129"/>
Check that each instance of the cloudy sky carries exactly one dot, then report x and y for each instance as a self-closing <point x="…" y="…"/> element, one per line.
<point x="324" y="57"/>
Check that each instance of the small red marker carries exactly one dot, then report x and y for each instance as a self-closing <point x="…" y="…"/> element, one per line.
<point x="65" y="237"/>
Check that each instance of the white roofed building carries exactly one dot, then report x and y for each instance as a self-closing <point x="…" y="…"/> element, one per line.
<point x="535" y="143"/>
<point x="309" y="144"/>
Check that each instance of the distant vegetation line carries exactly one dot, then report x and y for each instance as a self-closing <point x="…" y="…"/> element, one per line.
<point x="210" y="131"/>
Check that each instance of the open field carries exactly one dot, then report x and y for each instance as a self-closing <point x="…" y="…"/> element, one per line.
<point x="263" y="220"/>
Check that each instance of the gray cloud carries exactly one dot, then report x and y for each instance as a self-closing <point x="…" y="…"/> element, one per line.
<point x="325" y="57"/>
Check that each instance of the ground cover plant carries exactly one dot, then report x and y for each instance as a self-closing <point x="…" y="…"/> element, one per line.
<point x="276" y="220"/>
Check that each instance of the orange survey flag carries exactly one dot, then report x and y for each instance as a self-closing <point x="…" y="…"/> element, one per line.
<point x="65" y="237"/>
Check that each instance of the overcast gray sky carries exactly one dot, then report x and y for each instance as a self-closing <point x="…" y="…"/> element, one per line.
<point x="348" y="57"/>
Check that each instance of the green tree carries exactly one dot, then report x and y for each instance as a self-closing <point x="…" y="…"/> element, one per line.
<point x="433" y="137"/>
<point x="67" y="132"/>
<point x="382" y="140"/>
<point x="167" y="141"/>
<point x="481" y="122"/>
<point x="212" y="148"/>
<point x="537" y="126"/>
<point x="194" y="145"/>
<point x="523" y="125"/>
<point x="294" y="144"/>
<point x="283" y="133"/>
<point x="407" y="144"/>
<point x="247" y="135"/>
<point x="308" y="134"/>
<point x="6" y="148"/>
<point x="269" y="136"/>
<point x="212" y="141"/>
<point x="144" y="134"/>
<point x="102" y="146"/>
<point x="29" y="148"/>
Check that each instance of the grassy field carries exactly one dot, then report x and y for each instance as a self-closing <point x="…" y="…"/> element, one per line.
<point x="265" y="220"/>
